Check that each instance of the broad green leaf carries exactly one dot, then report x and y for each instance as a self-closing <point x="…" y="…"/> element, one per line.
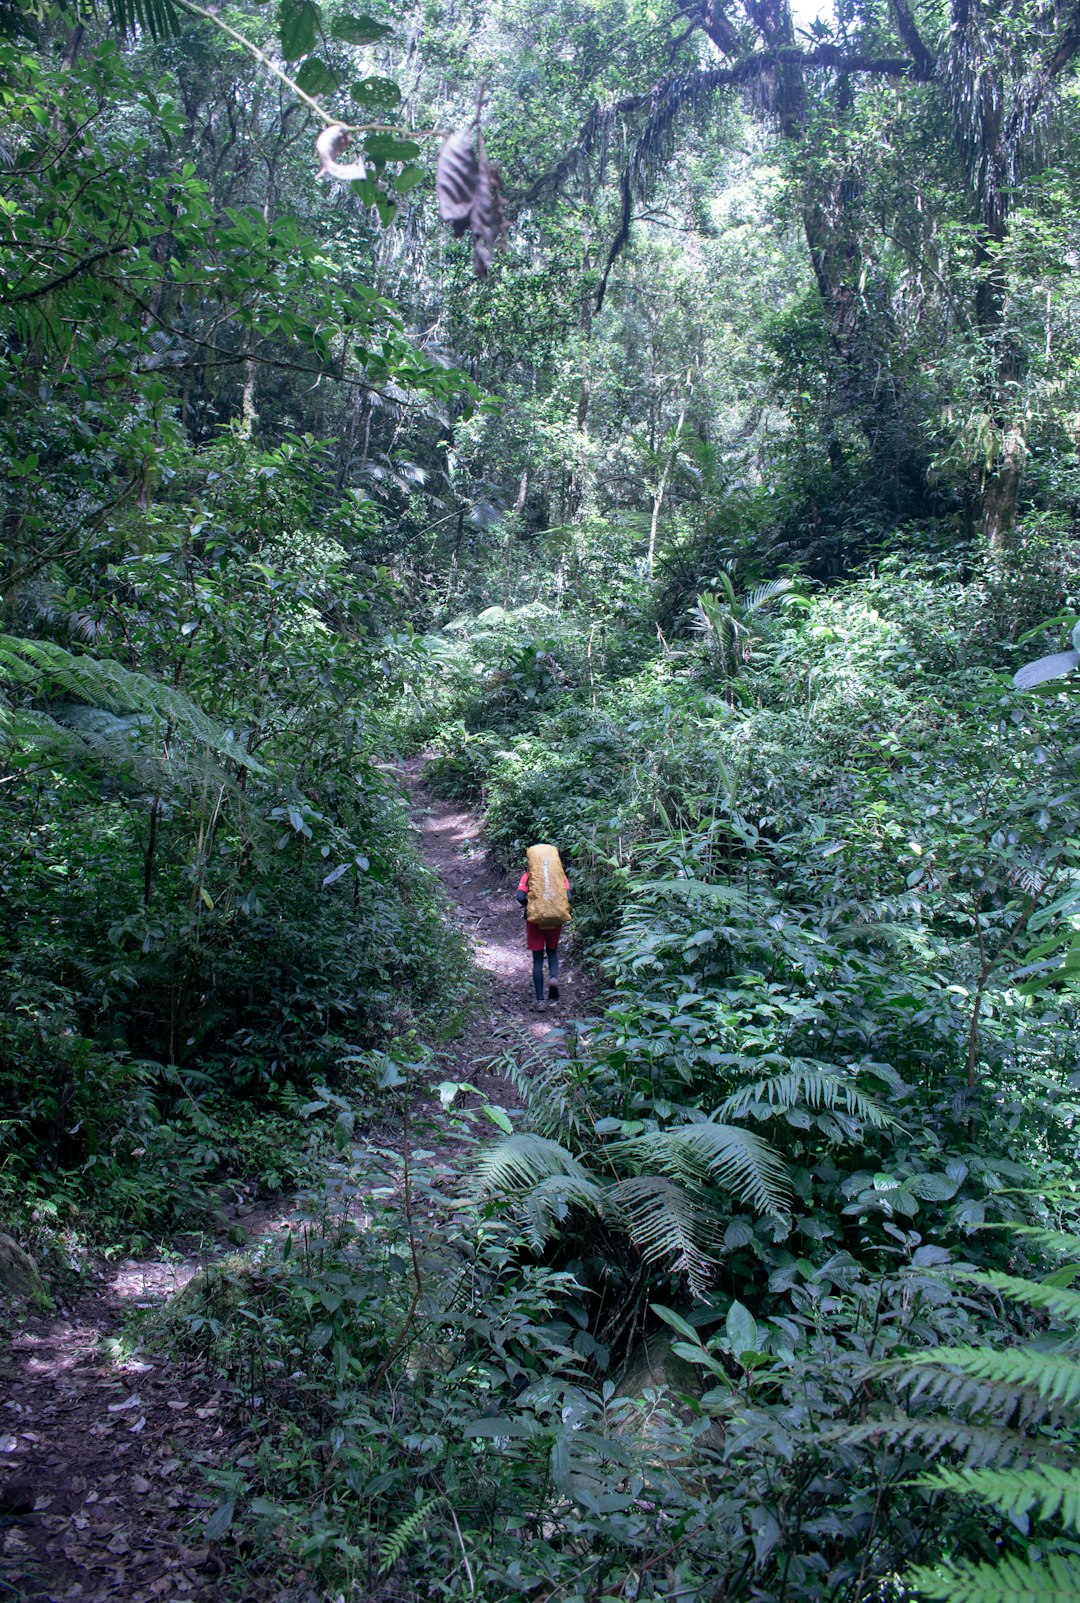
<point x="219" y="1521"/>
<point x="376" y="94"/>
<point x="741" y="1329"/>
<point x="676" y="1321"/>
<point x="316" y="78"/>
<point x="298" y="27"/>
<point x="388" y="147"/>
<point x="500" y="1426"/>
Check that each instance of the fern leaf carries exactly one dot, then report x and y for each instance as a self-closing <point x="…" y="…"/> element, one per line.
<point x="1011" y="1380"/>
<point x="1056" y="1300"/>
<point x="741" y="1162"/>
<point x="1012" y="1580"/>
<point x="523" y="1161"/>
<point x="668" y="1226"/>
<point x="977" y="1444"/>
<point x="1043" y="1490"/>
<point x="546" y="1205"/>
<point x="818" y="1088"/>
<point x="42" y="667"/>
<point x="403" y="1534"/>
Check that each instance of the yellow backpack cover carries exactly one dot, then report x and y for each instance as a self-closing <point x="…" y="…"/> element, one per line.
<point x="549" y="905"/>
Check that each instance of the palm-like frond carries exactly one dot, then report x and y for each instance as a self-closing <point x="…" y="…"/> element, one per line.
<point x="817" y="1088"/>
<point x="764" y="593"/>
<point x="1031" y="1395"/>
<point x="1049" y="1298"/>
<point x="159" y="18"/>
<point x="1044" y="1491"/>
<point x="523" y="1161"/>
<point x="1013" y="1580"/>
<point x="546" y="1206"/>
<point x="43" y="669"/>
<point x="1032" y="1382"/>
<point x="974" y="1444"/>
<point x="741" y="1162"/>
<point x="556" y="1092"/>
<point x="668" y="1226"/>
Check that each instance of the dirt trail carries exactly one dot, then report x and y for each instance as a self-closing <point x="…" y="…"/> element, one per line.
<point x="483" y="905"/>
<point x="101" y="1490"/>
<point x="102" y="1495"/>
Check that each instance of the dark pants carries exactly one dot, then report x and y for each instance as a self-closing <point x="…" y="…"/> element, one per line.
<point x="538" y="970"/>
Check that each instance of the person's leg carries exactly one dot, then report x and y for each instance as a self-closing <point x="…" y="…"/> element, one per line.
<point x="553" y="970"/>
<point x="538" y="974"/>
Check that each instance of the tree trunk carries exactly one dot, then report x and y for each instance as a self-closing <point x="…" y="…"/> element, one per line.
<point x="1001" y="490"/>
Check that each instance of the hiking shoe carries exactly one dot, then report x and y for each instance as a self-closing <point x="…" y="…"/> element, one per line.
<point x="553" y="992"/>
<point x="539" y="1005"/>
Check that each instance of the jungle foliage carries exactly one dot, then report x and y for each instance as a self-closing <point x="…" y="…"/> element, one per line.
<point x="704" y="537"/>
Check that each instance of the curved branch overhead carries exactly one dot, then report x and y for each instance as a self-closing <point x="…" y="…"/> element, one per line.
<point x="989" y="153"/>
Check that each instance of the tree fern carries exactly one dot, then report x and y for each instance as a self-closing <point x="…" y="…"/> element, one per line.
<point x="1045" y="1491"/>
<point x="1023" y="1374"/>
<point x="668" y="1226"/>
<point x="546" y="1204"/>
<point x="1032" y="1396"/>
<point x="42" y="669"/>
<point x="524" y="1160"/>
<point x="1044" y="1295"/>
<point x="974" y="1444"/>
<point x="560" y="1095"/>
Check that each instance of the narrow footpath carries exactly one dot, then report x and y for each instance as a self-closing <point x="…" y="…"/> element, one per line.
<point x="104" y="1447"/>
<point x="483" y="904"/>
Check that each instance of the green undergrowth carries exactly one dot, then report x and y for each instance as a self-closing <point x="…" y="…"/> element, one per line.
<point x="428" y="1412"/>
<point x="213" y="902"/>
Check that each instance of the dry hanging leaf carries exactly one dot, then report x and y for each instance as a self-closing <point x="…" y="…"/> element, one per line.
<point x="467" y="188"/>
<point x="332" y="143"/>
<point x="456" y="173"/>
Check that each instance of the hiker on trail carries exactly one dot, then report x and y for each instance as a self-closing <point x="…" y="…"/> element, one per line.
<point x="544" y="893"/>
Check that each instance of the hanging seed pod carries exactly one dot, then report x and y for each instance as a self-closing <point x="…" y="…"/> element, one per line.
<point x="332" y="143"/>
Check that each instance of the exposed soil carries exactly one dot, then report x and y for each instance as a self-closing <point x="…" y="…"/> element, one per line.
<point x="102" y="1449"/>
<point x="102" y="1495"/>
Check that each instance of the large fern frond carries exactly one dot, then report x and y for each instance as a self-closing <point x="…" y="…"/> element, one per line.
<point x="43" y="668"/>
<point x="1011" y="1580"/>
<point x="668" y="1226"/>
<point x="1046" y="1491"/>
<point x="522" y="1161"/>
<point x="1044" y="1295"/>
<point x="401" y="1537"/>
<point x="817" y="1088"/>
<point x="741" y="1162"/>
<point x="555" y="1090"/>
<point x="546" y="1206"/>
<point x="1021" y="1379"/>
<point x="977" y="1445"/>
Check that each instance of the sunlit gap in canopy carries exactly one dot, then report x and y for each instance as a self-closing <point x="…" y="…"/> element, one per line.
<point x="804" y="13"/>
